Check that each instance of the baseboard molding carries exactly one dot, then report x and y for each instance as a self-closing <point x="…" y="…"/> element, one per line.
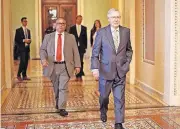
<point x="151" y="91"/>
<point x="173" y="101"/>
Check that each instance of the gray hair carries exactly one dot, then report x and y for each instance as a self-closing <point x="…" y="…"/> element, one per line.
<point x="111" y="11"/>
<point x="60" y="18"/>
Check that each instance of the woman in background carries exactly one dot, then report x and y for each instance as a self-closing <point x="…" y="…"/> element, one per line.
<point x="96" y="27"/>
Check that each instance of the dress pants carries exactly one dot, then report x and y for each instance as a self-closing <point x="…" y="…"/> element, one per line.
<point x="24" y="57"/>
<point x="81" y="73"/>
<point x="118" y="88"/>
<point x="60" y="80"/>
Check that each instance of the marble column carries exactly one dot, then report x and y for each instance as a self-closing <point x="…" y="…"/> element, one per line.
<point x="172" y="53"/>
<point x="7" y="75"/>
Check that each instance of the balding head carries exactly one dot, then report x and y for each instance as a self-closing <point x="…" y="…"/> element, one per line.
<point x="60" y="25"/>
<point x="112" y="11"/>
<point x="114" y="18"/>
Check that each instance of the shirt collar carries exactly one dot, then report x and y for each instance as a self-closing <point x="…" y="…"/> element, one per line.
<point x="112" y="29"/>
<point x="24" y="27"/>
<point x="58" y="33"/>
<point x="78" y="25"/>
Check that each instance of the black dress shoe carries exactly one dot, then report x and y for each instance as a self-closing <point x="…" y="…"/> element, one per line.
<point x="78" y="78"/>
<point x="26" y="78"/>
<point x="19" y="78"/>
<point x="118" y="126"/>
<point x="103" y="117"/>
<point x="63" y="112"/>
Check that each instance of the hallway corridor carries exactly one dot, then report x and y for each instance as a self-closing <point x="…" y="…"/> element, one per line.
<point x="31" y="105"/>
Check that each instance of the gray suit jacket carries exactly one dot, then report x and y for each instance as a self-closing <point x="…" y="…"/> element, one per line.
<point x="104" y="56"/>
<point x="71" y="54"/>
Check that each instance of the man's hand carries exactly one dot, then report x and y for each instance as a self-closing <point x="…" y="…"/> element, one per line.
<point x="96" y="74"/>
<point x="28" y="41"/>
<point x="45" y="63"/>
<point x="77" y="70"/>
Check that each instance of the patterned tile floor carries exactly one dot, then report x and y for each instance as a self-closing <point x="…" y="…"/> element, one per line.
<point x="30" y="105"/>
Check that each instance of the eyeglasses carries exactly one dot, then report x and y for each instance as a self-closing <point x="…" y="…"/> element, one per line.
<point x="59" y="23"/>
<point x="117" y="17"/>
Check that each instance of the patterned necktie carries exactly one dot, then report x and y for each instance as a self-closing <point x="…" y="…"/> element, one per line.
<point x="26" y="34"/>
<point x="115" y="38"/>
<point x="59" y="49"/>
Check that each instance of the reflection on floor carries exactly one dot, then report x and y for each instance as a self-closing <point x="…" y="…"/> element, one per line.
<point x="31" y="105"/>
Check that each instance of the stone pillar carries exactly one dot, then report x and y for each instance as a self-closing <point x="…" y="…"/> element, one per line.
<point x="122" y="10"/>
<point x="38" y="26"/>
<point x="2" y="79"/>
<point x="172" y="53"/>
<point x="6" y="46"/>
<point x="132" y="29"/>
<point x="131" y="20"/>
<point x="80" y="8"/>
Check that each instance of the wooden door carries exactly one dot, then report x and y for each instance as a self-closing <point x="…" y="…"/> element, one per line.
<point x="50" y="14"/>
<point x="53" y="9"/>
<point x="68" y="11"/>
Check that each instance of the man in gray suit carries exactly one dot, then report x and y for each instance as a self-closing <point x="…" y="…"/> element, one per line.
<point x="60" y="57"/>
<point x="111" y="56"/>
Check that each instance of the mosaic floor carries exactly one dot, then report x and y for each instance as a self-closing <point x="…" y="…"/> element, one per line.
<point x="30" y="105"/>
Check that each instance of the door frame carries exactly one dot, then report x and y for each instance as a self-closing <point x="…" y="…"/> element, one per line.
<point x="38" y="21"/>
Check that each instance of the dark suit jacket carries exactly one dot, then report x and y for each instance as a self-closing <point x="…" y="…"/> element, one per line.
<point x="82" y="39"/>
<point x="111" y="61"/>
<point x="19" y="36"/>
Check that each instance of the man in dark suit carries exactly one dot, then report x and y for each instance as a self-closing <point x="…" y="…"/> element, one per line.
<point x="80" y="33"/>
<point x="15" y="52"/>
<point x="113" y="46"/>
<point x="23" y="40"/>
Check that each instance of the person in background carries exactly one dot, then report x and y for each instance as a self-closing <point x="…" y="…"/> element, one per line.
<point x="96" y="27"/>
<point x="80" y="33"/>
<point x="23" y="41"/>
<point x="15" y="51"/>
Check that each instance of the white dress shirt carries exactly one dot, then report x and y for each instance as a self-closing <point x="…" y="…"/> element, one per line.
<point x="56" y="42"/>
<point x="96" y="71"/>
<point x="78" y="29"/>
<point x="25" y="34"/>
